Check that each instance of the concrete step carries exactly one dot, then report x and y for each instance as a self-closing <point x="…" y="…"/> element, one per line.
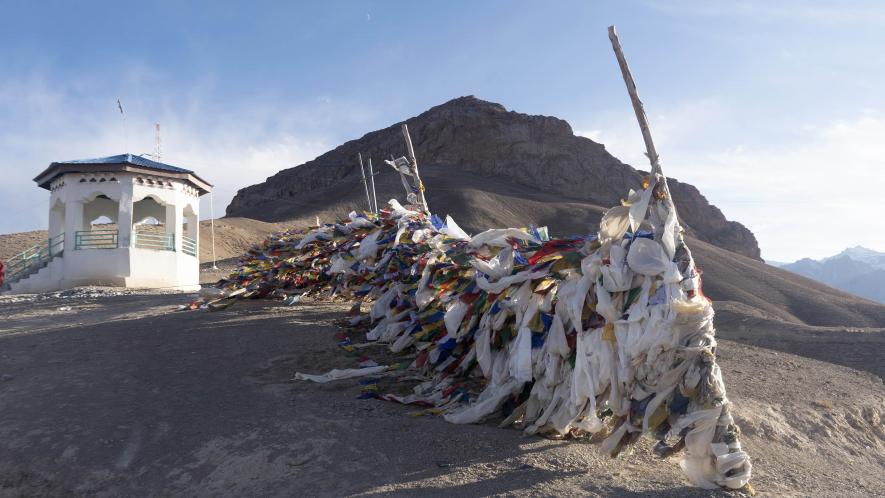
<point x="23" y="284"/>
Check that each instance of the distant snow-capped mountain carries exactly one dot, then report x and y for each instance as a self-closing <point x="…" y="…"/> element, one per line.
<point x="864" y="255"/>
<point x="857" y="270"/>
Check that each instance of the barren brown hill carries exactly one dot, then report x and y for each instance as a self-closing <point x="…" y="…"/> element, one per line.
<point x="14" y="243"/>
<point x="469" y="138"/>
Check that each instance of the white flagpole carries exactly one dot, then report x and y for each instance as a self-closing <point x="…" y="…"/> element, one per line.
<point x="212" y="228"/>
<point x="365" y="184"/>
<point x="125" y="134"/>
<point x="372" y="177"/>
<point x="158" y="142"/>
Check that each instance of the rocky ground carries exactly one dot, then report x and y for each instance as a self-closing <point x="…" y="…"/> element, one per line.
<point x="109" y="393"/>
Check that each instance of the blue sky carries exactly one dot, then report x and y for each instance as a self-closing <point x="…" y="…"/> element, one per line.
<point x="776" y="112"/>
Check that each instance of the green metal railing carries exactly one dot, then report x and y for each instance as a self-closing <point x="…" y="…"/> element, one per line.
<point x="32" y="259"/>
<point x="155" y="241"/>
<point x="95" y="239"/>
<point x="188" y="245"/>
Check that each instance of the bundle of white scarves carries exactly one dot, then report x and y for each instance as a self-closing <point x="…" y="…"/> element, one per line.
<point x="661" y="346"/>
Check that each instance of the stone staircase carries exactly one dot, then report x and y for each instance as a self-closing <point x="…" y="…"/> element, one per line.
<point x="39" y="280"/>
<point x="31" y="261"/>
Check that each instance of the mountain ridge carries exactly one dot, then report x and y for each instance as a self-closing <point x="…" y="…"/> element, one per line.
<point x="856" y="270"/>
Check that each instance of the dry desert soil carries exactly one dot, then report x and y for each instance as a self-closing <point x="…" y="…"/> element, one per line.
<point x="108" y="393"/>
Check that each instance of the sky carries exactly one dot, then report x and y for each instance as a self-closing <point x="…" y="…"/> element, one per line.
<point x="774" y="110"/>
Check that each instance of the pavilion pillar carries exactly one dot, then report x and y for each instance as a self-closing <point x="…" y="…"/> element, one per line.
<point x="174" y="220"/>
<point x="73" y="224"/>
<point x="56" y="217"/>
<point x="124" y="216"/>
<point x="193" y="226"/>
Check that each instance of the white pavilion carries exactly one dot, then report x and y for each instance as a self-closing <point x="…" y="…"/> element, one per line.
<point x="123" y="221"/>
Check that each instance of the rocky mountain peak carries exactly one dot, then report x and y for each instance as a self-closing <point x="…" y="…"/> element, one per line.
<point x="467" y="103"/>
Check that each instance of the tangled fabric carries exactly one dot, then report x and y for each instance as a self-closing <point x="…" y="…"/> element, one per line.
<point x="606" y="335"/>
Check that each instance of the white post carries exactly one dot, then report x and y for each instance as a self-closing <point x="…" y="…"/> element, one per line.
<point x="372" y="177"/>
<point x="212" y="228"/>
<point x="365" y="184"/>
<point x="414" y="167"/>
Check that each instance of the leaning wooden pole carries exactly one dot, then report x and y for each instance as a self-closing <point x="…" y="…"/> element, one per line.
<point x="639" y="109"/>
<point x="413" y="165"/>
<point x="365" y="183"/>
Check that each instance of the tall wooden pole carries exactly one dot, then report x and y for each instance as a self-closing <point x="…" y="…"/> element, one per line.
<point x="639" y="109"/>
<point x="365" y="184"/>
<point x="413" y="164"/>
<point x="652" y="153"/>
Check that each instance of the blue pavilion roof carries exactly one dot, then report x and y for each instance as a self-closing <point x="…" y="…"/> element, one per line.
<point x="119" y="162"/>
<point x="128" y="159"/>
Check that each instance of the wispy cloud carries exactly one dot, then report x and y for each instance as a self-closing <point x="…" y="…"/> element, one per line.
<point x="809" y="196"/>
<point x="691" y="122"/>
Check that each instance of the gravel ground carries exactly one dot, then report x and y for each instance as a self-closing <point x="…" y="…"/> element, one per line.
<point x="111" y="393"/>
